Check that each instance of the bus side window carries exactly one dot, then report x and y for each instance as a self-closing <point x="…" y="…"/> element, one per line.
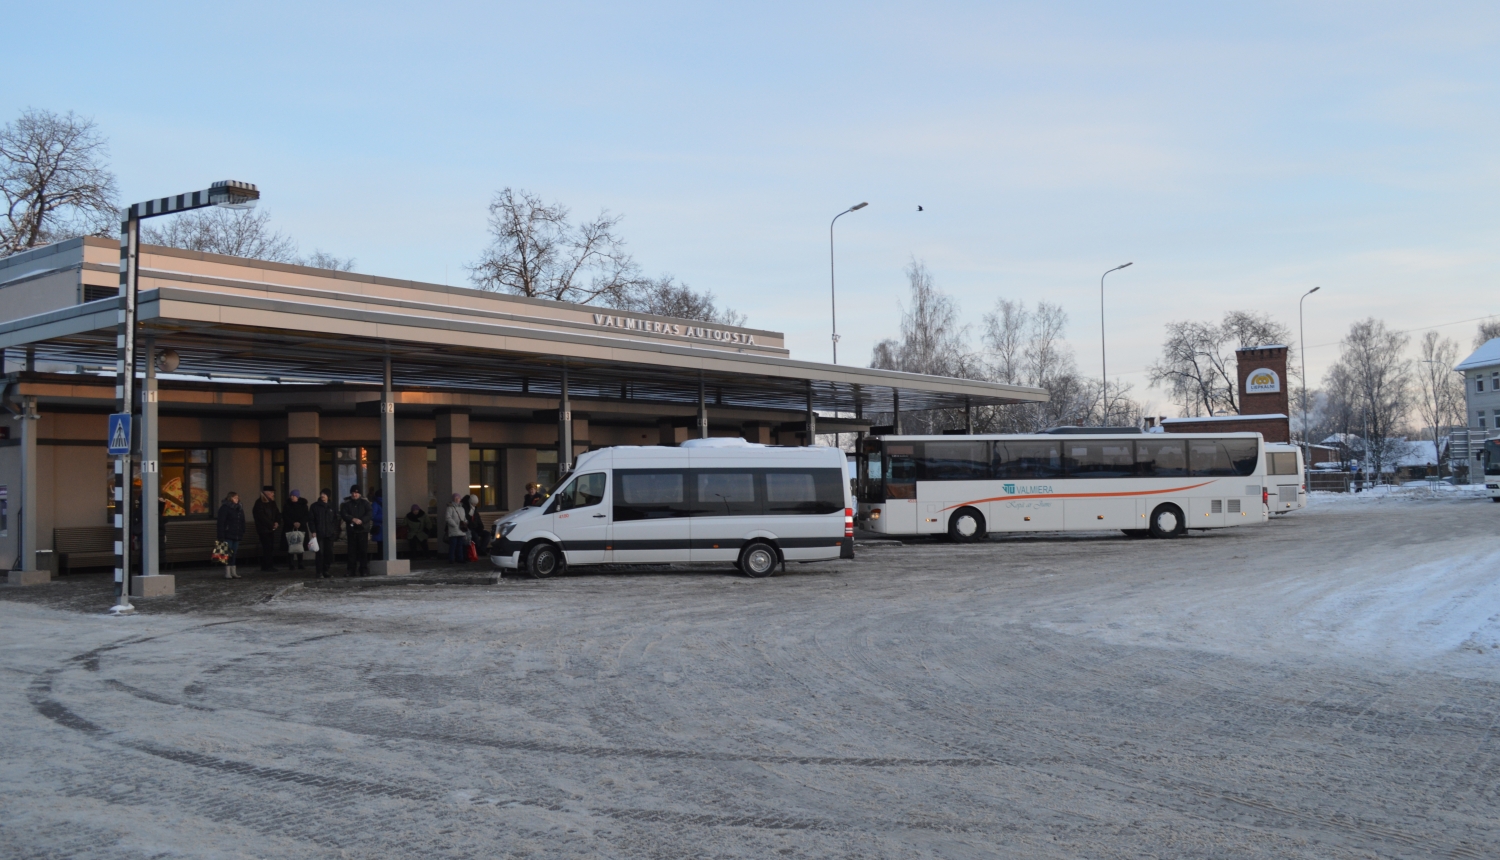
<point x="1161" y="458"/>
<point x="1028" y="459"/>
<point x="900" y="471"/>
<point x="1217" y="458"/>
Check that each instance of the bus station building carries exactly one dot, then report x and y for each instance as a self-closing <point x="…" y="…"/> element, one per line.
<point x="282" y="375"/>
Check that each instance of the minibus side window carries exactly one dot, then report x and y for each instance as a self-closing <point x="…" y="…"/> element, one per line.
<point x="647" y="494"/>
<point x="726" y="493"/>
<point x="804" y="491"/>
<point x="581" y="492"/>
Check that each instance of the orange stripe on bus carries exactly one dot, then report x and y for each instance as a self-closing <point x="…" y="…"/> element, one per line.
<point x="1080" y="495"/>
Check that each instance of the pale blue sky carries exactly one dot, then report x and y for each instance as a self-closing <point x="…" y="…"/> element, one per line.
<point x="1239" y="154"/>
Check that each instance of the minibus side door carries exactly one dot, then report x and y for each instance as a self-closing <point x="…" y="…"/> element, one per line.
<point x="580" y="518"/>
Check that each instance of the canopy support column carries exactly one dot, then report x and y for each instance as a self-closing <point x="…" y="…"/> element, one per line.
<point x="812" y="418"/>
<point x="702" y="410"/>
<point x="151" y="582"/>
<point x="25" y="571"/>
<point x="388" y="564"/>
<point x="564" y="427"/>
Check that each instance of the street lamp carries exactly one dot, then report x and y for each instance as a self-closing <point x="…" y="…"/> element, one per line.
<point x="230" y="194"/>
<point x="1302" y="348"/>
<point x="832" y="294"/>
<point x="1103" y="359"/>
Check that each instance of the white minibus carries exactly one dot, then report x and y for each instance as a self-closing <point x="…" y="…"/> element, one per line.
<point x="1286" y="481"/>
<point x="709" y="500"/>
<point x="1158" y="484"/>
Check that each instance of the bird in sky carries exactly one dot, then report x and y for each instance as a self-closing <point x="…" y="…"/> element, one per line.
<point x="919" y="209"/>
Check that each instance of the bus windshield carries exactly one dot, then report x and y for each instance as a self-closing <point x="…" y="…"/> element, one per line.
<point x="1492" y="457"/>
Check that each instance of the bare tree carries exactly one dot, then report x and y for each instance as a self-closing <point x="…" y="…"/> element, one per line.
<point x="932" y="341"/>
<point x="1488" y="331"/>
<point x="668" y="297"/>
<point x="535" y="251"/>
<point x="1197" y="367"/>
<point x="1372" y="383"/>
<point x="237" y="233"/>
<point x="55" y="180"/>
<point x="1441" y="403"/>
<point x="320" y="259"/>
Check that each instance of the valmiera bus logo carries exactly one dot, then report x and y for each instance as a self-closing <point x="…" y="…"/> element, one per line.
<point x="1012" y="489"/>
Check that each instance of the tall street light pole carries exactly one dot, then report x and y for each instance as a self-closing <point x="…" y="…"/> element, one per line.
<point x="1103" y="357"/>
<point x="232" y="194"/>
<point x="832" y="293"/>
<point x="1302" y="348"/>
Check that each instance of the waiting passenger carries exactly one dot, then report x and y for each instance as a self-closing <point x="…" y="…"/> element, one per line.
<point x="455" y="529"/>
<point x="323" y="522"/>
<point x="231" y="530"/>
<point x="419" y="530"/>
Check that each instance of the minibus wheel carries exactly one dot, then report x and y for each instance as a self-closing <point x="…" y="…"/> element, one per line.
<point x="757" y="559"/>
<point x="544" y="559"/>
<point x="1167" y="522"/>
<point x="966" y="526"/>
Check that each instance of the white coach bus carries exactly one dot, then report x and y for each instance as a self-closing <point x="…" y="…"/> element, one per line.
<point x="1286" y="478"/>
<point x="1160" y="484"/>
<point x="710" y="500"/>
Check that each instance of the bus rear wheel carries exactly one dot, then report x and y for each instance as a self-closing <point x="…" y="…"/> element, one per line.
<point x="1167" y="522"/>
<point x="966" y="526"/>
<point x="758" y="559"/>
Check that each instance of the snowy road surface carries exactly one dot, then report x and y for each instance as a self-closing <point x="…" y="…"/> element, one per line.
<point x="1325" y="686"/>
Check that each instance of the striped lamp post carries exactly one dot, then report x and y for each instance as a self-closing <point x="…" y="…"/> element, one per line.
<point x="236" y="195"/>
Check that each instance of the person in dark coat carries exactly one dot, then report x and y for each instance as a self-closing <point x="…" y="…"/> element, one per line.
<point x="323" y="522"/>
<point x="231" y="530"/>
<point x="294" y="518"/>
<point x="533" y="497"/>
<point x="419" y="529"/>
<point x="267" y="526"/>
<point x="356" y="513"/>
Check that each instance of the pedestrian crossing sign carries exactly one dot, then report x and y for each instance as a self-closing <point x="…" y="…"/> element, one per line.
<point x="119" y="434"/>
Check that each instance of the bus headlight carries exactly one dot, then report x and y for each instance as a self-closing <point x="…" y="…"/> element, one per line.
<point x="875" y="514"/>
<point x="505" y="529"/>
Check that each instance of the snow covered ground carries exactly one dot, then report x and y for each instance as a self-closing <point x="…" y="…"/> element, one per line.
<point x="1326" y="685"/>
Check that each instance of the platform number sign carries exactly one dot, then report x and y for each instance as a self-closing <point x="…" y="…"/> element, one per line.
<point x="119" y="434"/>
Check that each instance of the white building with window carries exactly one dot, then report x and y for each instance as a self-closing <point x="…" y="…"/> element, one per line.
<point x="1481" y="372"/>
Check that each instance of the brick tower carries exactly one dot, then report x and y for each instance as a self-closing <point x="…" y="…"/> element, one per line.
<point x="1263" y="382"/>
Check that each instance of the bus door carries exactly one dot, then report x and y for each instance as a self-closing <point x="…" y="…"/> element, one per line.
<point x="900" y="480"/>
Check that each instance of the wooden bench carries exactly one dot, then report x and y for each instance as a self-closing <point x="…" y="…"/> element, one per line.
<point x="190" y="541"/>
<point x="83" y="546"/>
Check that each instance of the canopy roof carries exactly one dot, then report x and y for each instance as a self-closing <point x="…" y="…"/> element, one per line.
<point x="261" y="329"/>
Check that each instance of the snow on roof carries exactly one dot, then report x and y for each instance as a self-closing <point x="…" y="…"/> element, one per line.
<point x="1222" y="418"/>
<point x="1484" y="356"/>
<point x="1420" y="454"/>
<point x="1263" y="346"/>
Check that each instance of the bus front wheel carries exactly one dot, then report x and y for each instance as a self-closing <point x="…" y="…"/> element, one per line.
<point x="544" y="560"/>
<point x="966" y="526"/>
<point x="1167" y="522"/>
